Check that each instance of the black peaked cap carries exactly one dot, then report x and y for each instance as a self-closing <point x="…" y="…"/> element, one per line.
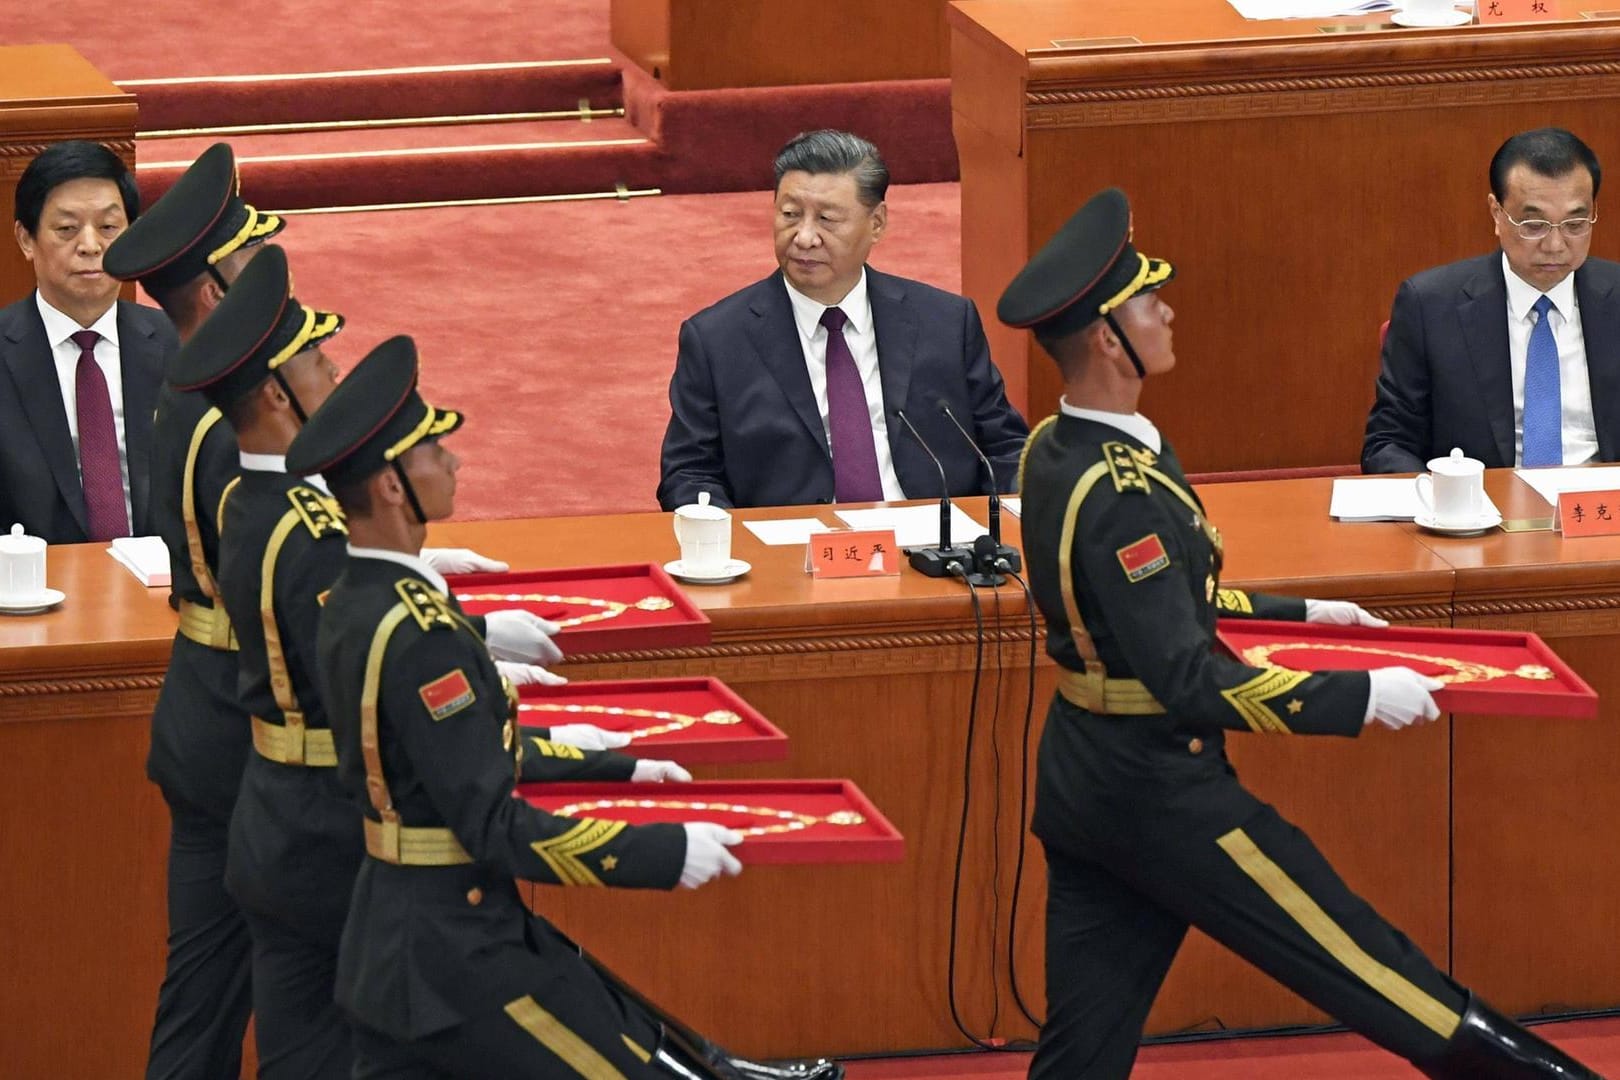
<point x="256" y="328"/>
<point x="1086" y="270"/>
<point x="371" y="419"/>
<point x="197" y="222"/>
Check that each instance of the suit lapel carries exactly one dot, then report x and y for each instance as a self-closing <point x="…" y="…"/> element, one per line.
<point x="32" y="367"/>
<point x="140" y="359"/>
<point x="775" y="338"/>
<point x="1482" y="309"/>
<point x="1600" y="328"/>
<point x="896" y="329"/>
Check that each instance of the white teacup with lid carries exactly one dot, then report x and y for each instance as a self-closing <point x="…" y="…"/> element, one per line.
<point x="704" y="532"/>
<point x="1453" y="491"/>
<point x="22" y="568"/>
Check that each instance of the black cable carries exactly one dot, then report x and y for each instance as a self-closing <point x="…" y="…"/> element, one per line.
<point x="995" y="818"/>
<point x="1023" y="807"/>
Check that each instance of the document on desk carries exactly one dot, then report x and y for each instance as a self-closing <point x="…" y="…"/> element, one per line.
<point x="1551" y="483"/>
<point x="1309" y="9"/>
<point x="786" y="532"/>
<point x="915" y="526"/>
<point x="144" y="556"/>
<point x="1013" y="505"/>
<point x="1375" y="498"/>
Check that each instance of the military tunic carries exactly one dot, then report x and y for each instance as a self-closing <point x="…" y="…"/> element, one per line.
<point x="296" y="842"/>
<point x="199" y="745"/>
<point x="1145" y="824"/>
<point x="442" y="966"/>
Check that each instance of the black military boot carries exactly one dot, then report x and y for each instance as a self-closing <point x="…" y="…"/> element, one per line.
<point x="1490" y="1046"/>
<point x="690" y="1057"/>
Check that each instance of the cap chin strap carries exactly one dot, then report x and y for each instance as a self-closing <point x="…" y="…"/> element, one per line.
<point x="292" y="398"/>
<point x="410" y="492"/>
<point x="219" y="278"/>
<point x="1136" y="361"/>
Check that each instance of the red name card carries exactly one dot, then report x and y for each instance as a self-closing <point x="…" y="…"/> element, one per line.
<point x="847" y="553"/>
<point x="1501" y="11"/>
<point x="1589" y="513"/>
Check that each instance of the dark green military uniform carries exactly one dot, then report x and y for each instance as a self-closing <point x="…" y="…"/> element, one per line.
<point x="199" y="731"/>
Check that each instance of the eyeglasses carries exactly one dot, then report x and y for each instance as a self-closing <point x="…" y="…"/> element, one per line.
<point x="1535" y="229"/>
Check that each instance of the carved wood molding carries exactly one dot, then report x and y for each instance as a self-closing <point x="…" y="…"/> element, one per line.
<point x="1317" y="95"/>
<point x="71" y="699"/>
<point x="1560" y="616"/>
<point x="122" y="147"/>
<point x="1415" y="614"/>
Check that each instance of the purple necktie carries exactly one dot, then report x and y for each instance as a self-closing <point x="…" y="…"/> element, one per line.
<point x="99" y="471"/>
<point x="854" y="454"/>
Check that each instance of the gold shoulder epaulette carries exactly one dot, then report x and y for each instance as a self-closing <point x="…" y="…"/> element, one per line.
<point x="320" y="513"/>
<point x="1023" y="457"/>
<point x="430" y="609"/>
<point x="1124" y="468"/>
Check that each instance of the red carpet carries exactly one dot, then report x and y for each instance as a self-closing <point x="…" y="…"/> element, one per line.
<point x="1298" y="1057"/>
<point x="554" y="325"/>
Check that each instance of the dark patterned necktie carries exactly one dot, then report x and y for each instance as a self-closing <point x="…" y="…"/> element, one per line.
<point x="854" y="453"/>
<point x="99" y="470"/>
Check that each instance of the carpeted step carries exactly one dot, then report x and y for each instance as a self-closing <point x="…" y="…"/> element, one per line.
<point x="421" y="164"/>
<point x="388" y="93"/>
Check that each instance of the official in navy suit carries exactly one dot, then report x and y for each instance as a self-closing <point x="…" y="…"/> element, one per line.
<point x="1467" y="362"/>
<point x="787" y="392"/>
<point x="71" y="202"/>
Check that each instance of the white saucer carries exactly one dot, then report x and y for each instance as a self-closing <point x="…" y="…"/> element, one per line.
<point x="1439" y="18"/>
<point x="43" y="600"/>
<point x="730" y="570"/>
<point x="1476" y="528"/>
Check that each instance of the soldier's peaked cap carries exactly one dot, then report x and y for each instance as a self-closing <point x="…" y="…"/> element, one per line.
<point x="1085" y="271"/>
<point x="256" y="328"/>
<point x="197" y="222"/>
<point x="373" y="417"/>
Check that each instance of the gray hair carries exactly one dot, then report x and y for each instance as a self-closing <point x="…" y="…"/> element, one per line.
<point x="829" y="151"/>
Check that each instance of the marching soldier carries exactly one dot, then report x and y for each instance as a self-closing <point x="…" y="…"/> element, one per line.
<point x="1146" y="827"/>
<point x="185" y="251"/>
<point x="442" y="968"/>
<point x="295" y="839"/>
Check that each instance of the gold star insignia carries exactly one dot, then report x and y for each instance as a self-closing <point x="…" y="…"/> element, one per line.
<point x="609" y="862"/>
<point x="1295" y="707"/>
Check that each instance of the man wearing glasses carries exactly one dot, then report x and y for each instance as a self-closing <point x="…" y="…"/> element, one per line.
<point x="1514" y="357"/>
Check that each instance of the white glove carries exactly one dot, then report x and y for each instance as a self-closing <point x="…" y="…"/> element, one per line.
<point x="706" y="854"/>
<point x="527" y="674"/>
<point x="1401" y="696"/>
<point x="657" y="772"/>
<point x="515" y="634"/>
<point x="589" y="737"/>
<point x="461" y="561"/>
<point x="1340" y="613"/>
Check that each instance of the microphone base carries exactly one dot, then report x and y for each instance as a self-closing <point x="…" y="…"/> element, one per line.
<point x="984" y="581"/>
<point x="937" y="562"/>
<point x="1015" y="560"/>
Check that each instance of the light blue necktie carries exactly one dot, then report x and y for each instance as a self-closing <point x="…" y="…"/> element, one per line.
<point x="1543" y="403"/>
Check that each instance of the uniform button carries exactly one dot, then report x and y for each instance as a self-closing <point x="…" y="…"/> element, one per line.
<point x="1195" y="745"/>
<point x="475" y="896"/>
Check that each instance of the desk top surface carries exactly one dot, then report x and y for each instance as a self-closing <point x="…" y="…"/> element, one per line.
<point x="1277" y="536"/>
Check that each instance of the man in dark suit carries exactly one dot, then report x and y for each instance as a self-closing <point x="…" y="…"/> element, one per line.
<point x="79" y="369"/>
<point x="790" y="390"/>
<point x="1513" y="356"/>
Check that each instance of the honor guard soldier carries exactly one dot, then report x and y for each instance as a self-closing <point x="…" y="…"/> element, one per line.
<point x="185" y="251"/>
<point x="1146" y="827"/>
<point x="443" y="969"/>
<point x="295" y="839"/>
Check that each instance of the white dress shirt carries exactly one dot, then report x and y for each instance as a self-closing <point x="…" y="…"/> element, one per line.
<point x="1574" y="384"/>
<point x="59" y="331"/>
<point x="1135" y="425"/>
<point x="276" y="463"/>
<point x="434" y="578"/>
<point x="861" y="336"/>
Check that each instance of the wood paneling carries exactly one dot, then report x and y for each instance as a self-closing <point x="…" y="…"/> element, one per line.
<point x="1293" y="179"/>
<point x="710" y="44"/>
<point x="49" y="93"/>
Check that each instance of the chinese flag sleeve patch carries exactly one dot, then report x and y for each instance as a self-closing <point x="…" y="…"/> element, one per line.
<point x="1144" y="558"/>
<point x="447" y="695"/>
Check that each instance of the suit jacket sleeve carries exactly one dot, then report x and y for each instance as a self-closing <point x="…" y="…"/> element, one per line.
<point x="693" y="457"/>
<point x="997" y="427"/>
<point x="1400" y="427"/>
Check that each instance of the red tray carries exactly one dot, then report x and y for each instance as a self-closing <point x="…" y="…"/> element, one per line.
<point x="682" y="623"/>
<point x="1564" y="694"/>
<point x="872" y="840"/>
<point x="754" y="738"/>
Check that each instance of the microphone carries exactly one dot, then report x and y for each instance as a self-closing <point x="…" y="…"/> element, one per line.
<point x="944" y="560"/>
<point x="988" y="563"/>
